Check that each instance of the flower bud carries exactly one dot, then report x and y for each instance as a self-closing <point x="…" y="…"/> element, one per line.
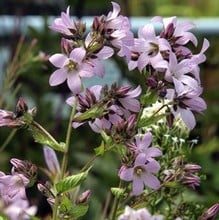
<point x="210" y="213"/>
<point x="21" y="107"/>
<point x="83" y="198"/>
<point x="28" y="169"/>
<point x="191" y="168"/>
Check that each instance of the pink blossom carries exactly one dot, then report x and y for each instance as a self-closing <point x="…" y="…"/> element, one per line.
<point x="71" y="69"/>
<point x="141" y="174"/>
<point x="142" y="145"/>
<point x="149" y="46"/>
<point x="65" y="24"/>
<point x="187" y="100"/>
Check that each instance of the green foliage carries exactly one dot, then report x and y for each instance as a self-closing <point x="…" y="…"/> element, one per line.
<point x="70" y="182"/>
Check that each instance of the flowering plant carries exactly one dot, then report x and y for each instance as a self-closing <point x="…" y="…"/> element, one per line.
<point x="146" y="127"/>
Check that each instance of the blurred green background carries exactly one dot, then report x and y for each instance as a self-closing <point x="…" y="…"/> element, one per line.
<point x="30" y="80"/>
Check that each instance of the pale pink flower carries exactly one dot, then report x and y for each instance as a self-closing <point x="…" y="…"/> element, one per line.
<point x="141" y="174"/>
<point x="71" y="68"/>
<point x="65" y="24"/>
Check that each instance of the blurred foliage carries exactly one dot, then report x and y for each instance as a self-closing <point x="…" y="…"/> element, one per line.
<point x="52" y="112"/>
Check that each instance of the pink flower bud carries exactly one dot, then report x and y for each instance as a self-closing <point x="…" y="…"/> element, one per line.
<point x="210" y="213"/>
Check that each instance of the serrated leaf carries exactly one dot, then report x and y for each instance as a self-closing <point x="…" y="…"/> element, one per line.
<point x="71" y="182"/>
<point x="118" y="192"/>
<point x="42" y="137"/>
<point x="99" y="151"/>
<point x="79" y="210"/>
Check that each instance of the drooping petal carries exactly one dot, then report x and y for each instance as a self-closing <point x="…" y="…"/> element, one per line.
<point x="138" y="186"/>
<point x="131" y="104"/>
<point x="74" y="82"/>
<point x="152" y="166"/>
<point x="151" y="181"/>
<point x="58" y="77"/>
<point x="105" y="53"/>
<point x="188" y="118"/>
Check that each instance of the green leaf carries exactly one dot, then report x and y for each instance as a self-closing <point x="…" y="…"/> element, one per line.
<point x="92" y="113"/>
<point x="99" y="151"/>
<point x="79" y="210"/>
<point x="118" y="192"/>
<point x="3" y="217"/>
<point x="41" y="136"/>
<point x="71" y="182"/>
<point x="172" y="184"/>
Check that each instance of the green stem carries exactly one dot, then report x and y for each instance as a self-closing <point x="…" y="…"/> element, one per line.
<point x="65" y="158"/>
<point x="115" y="205"/>
<point x="44" y="131"/>
<point x="88" y="164"/>
<point x="10" y="136"/>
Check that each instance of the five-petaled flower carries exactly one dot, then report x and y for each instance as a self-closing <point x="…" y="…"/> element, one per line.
<point x="141" y="174"/>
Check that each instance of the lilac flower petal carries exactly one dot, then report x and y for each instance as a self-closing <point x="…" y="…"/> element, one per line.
<point x="126" y="174"/>
<point x="135" y="92"/>
<point x="130" y="103"/>
<point x="151" y="181"/>
<point x="58" y="60"/>
<point x="140" y="159"/>
<point x="143" y="60"/>
<point x="147" y="32"/>
<point x="138" y="186"/>
<point x="152" y="166"/>
<point x="105" y="53"/>
<point x="115" y="12"/>
<point x="153" y="152"/>
<point x="197" y="104"/>
<point x="58" y="77"/>
<point x="51" y="160"/>
<point x="99" y="69"/>
<point x="71" y="100"/>
<point x="74" y="82"/>
<point x="77" y="54"/>
<point x="96" y="89"/>
<point x="147" y="139"/>
<point x="86" y="71"/>
<point x="188" y="118"/>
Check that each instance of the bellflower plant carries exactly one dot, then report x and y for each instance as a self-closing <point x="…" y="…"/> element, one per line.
<point x="145" y="127"/>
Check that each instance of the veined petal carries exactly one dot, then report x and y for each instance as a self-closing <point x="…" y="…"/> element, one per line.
<point x="151" y="181"/>
<point x="126" y="174"/>
<point x="130" y="103"/>
<point x="135" y="92"/>
<point x="77" y="54"/>
<point x="188" y="118"/>
<point x="58" y="77"/>
<point x="74" y="82"/>
<point x="147" y="32"/>
<point x="140" y="159"/>
<point x="58" y="60"/>
<point x="153" y="152"/>
<point x="152" y="166"/>
<point x="105" y="53"/>
<point x="138" y="186"/>
<point x="143" y="60"/>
